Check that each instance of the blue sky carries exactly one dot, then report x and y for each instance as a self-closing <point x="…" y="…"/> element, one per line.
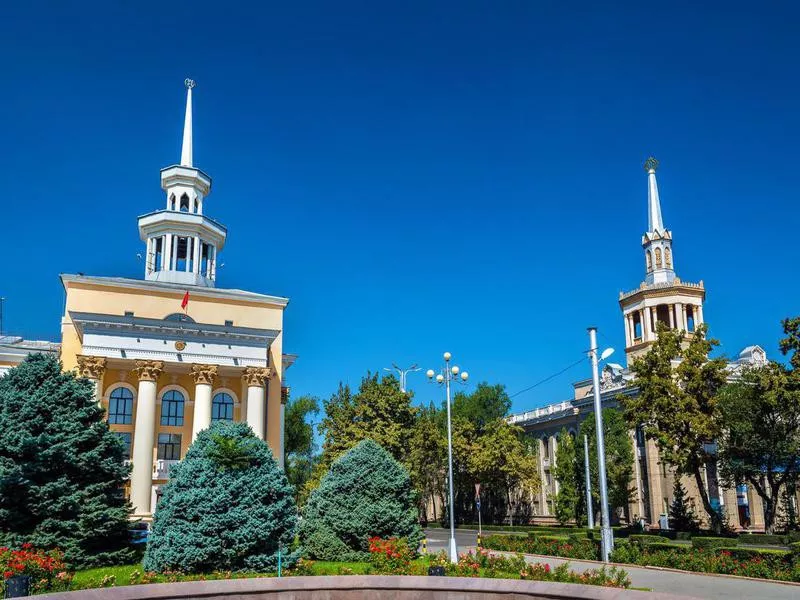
<point x="462" y="176"/>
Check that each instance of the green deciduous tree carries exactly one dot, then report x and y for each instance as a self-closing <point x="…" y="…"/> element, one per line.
<point x="299" y="446"/>
<point x="428" y="459"/>
<point x="366" y="493"/>
<point x="567" y="474"/>
<point x="485" y="405"/>
<point x="61" y="470"/>
<point x="676" y="404"/>
<point x="226" y="506"/>
<point x="759" y="443"/>
<point x="619" y="460"/>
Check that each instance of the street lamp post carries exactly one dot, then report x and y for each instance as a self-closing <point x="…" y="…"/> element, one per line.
<point x="589" y="508"/>
<point x="403" y="373"/>
<point x="450" y="373"/>
<point x="606" y="534"/>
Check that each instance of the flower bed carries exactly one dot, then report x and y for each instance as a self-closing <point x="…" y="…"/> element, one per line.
<point x="47" y="570"/>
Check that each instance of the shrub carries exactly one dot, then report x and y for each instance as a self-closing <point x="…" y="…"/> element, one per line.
<point x="642" y="539"/>
<point x="794" y="549"/>
<point x="712" y="542"/>
<point x="366" y="494"/>
<point x="47" y="570"/>
<point x="390" y="557"/>
<point x="626" y="552"/>
<point x="762" y="539"/>
<point x="775" y="558"/>
<point x="61" y="469"/>
<point x="549" y="546"/>
<point x="227" y="506"/>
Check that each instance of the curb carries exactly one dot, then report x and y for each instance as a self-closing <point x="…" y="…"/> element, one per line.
<point x="651" y="568"/>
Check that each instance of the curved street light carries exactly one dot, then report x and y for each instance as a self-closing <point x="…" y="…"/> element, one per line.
<point x="447" y="375"/>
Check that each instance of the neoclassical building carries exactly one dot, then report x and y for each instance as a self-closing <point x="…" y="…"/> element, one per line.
<point x="172" y="352"/>
<point x="661" y="297"/>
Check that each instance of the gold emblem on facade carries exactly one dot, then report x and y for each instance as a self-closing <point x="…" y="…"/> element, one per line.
<point x="179" y="346"/>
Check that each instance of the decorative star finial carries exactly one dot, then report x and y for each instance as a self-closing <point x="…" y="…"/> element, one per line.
<point x="189" y="83"/>
<point x="650" y="165"/>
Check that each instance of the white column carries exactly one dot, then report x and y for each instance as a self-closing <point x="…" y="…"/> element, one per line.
<point x="628" y="337"/>
<point x="699" y="316"/>
<point x="167" y="249"/>
<point x="144" y="436"/>
<point x="196" y="255"/>
<point x="653" y="321"/>
<point x="174" y="264"/>
<point x="212" y="259"/>
<point x="685" y="317"/>
<point x="645" y="317"/>
<point x="679" y="322"/>
<point x="256" y="377"/>
<point x="671" y="315"/>
<point x="203" y="380"/>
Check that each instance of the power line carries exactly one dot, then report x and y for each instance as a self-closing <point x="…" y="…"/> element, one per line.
<point x="546" y="379"/>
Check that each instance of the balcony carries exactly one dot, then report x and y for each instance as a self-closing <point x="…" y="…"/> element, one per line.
<point x="161" y="468"/>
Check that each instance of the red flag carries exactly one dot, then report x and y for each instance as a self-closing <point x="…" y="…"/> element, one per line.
<point x="185" y="301"/>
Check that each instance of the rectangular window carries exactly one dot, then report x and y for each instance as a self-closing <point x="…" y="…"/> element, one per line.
<point x="689" y="319"/>
<point x="158" y="254"/>
<point x="125" y="436"/>
<point x="637" y="327"/>
<point x="120" y="407"/>
<point x="182" y="249"/>
<point x="172" y="412"/>
<point x="169" y="446"/>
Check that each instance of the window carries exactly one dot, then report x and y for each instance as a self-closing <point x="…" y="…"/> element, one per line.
<point x="637" y="326"/>
<point x="228" y="323"/>
<point x="120" y="406"/>
<point x="649" y="261"/>
<point x="668" y="257"/>
<point x="181" y="253"/>
<point x="222" y="407"/>
<point x="172" y="202"/>
<point x="196" y="206"/>
<point x="658" y="258"/>
<point x="184" y="203"/>
<point x="158" y="254"/>
<point x="172" y="409"/>
<point x="169" y="446"/>
<point x="205" y="259"/>
<point x="125" y="436"/>
<point x="689" y="318"/>
<point x="179" y="317"/>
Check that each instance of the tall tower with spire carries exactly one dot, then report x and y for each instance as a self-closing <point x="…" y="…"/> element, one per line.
<point x="661" y="296"/>
<point x="183" y="243"/>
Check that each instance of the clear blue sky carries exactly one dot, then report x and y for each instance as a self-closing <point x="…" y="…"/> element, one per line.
<point x="462" y="176"/>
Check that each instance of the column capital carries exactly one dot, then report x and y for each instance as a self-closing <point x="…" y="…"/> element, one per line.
<point x="92" y="367"/>
<point x="256" y="375"/>
<point x="149" y="370"/>
<point x="204" y="373"/>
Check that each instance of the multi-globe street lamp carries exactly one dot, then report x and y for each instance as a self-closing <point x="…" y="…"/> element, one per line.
<point x="448" y="374"/>
<point x="606" y="534"/>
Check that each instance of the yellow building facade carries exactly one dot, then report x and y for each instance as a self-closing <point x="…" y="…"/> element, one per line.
<point x="171" y="353"/>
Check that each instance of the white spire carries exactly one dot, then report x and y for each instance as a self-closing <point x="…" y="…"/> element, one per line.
<point x="654" y="222"/>
<point x="186" y="149"/>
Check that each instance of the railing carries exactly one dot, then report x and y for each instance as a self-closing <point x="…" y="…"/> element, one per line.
<point x="544" y="411"/>
<point x="161" y="468"/>
<point x="665" y="284"/>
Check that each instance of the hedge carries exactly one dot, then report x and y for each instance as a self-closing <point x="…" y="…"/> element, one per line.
<point x="645" y="540"/>
<point x="658" y="546"/>
<point x="763" y="539"/>
<point x="794" y="549"/>
<point x="713" y="542"/>
<point x="775" y="558"/>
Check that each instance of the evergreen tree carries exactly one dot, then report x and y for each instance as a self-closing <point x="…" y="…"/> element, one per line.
<point x="299" y="446"/>
<point x="567" y="500"/>
<point x="226" y="506"/>
<point x="366" y="493"/>
<point x="61" y="470"/>
<point x="681" y="511"/>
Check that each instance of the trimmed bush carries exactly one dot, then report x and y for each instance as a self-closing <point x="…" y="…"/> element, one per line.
<point x="708" y="543"/>
<point x="761" y="539"/>
<point x="644" y="540"/>
<point x="226" y="506"/>
<point x="794" y="549"/>
<point x="666" y="546"/>
<point x="775" y="558"/>
<point x="366" y="494"/>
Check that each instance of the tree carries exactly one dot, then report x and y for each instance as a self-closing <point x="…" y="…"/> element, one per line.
<point x="681" y="511"/>
<point x="485" y="405"/>
<point x="366" y="493"/>
<point x="501" y="460"/>
<point x="759" y="442"/>
<point x="226" y="506"/>
<point x="299" y="446"/>
<point x="566" y="472"/>
<point x="619" y="460"/>
<point x="676" y="405"/>
<point x="428" y="459"/>
<point x="62" y="471"/>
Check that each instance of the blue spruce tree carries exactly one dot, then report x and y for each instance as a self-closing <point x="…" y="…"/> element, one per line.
<point x="227" y="506"/>
<point x="366" y="493"/>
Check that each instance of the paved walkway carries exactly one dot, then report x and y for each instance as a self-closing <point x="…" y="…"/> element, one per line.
<point x="684" y="584"/>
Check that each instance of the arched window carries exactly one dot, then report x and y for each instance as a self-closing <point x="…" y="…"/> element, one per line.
<point x="120" y="406"/>
<point x="172" y="202"/>
<point x="658" y="258"/>
<point x="184" y="203"/>
<point x="179" y="317"/>
<point x="222" y="407"/>
<point x="196" y="205"/>
<point x="172" y="408"/>
<point x="649" y="261"/>
<point x="668" y="257"/>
